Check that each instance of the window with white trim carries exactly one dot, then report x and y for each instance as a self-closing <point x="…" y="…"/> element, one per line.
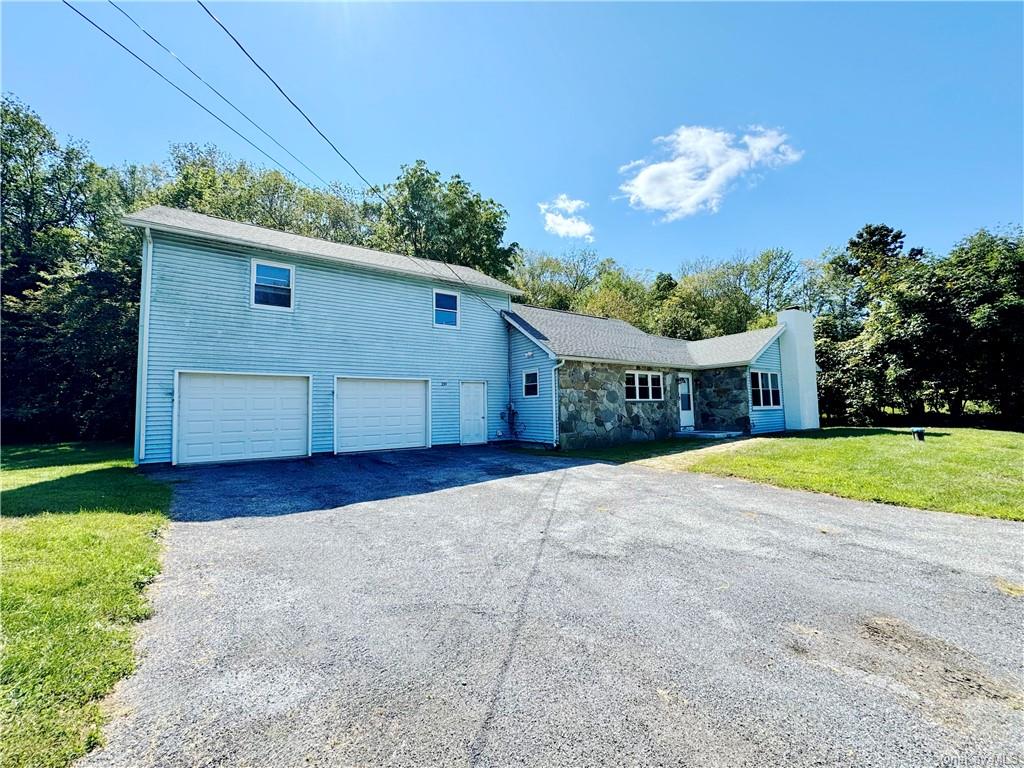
<point x="643" y="385"/>
<point x="446" y="309"/>
<point x="272" y="284"/>
<point x="531" y="384"/>
<point x="764" y="390"/>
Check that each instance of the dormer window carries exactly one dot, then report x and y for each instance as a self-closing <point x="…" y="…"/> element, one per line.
<point x="446" y="309"/>
<point x="272" y="285"/>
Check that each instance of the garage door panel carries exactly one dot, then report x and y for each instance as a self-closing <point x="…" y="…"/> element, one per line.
<point x="380" y="414"/>
<point x="230" y="417"/>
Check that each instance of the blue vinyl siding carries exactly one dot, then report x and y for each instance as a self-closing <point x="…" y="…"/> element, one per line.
<point x="535" y="414"/>
<point x="346" y="321"/>
<point x="767" y="419"/>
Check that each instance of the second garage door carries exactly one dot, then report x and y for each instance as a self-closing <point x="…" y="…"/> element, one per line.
<point x="380" y="414"/>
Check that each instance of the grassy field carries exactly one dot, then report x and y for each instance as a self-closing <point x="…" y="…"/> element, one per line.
<point x="969" y="471"/>
<point x="79" y="538"/>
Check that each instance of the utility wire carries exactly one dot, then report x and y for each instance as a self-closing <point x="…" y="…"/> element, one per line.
<point x="182" y="91"/>
<point x="373" y="188"/>
<point x="289" y="98"/>
<point x="223" y="98"/>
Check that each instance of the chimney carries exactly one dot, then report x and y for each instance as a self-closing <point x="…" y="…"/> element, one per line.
<point x="799" y="371"/>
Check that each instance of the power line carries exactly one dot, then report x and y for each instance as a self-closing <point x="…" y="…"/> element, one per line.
<point x="373" y="188"/>
<point x="182" y="91"/>
<point x="223" y="98"/>
<point x="289" y="98"/>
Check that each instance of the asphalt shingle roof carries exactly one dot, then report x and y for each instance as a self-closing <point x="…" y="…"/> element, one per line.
<point x="175" y="220"/>
<point x="569" y="334"/>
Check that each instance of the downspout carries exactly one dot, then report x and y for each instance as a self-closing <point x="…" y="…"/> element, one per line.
<point x="142" y="372"/>
<point x="554" y="402"/>
<point x="508" y="362"/>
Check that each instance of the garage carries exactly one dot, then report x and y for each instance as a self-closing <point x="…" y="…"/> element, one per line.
<point x="238" y="417"/>
<point x="380" y="414"/>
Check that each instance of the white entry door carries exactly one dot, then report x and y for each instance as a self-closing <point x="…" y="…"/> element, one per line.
<point x="473" y="412"/>
<point x="235" y="417"/>
<point x="685" y="401"/>
<point x="380" y="414"/>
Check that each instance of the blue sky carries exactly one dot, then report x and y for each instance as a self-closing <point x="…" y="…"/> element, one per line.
<point x="664" y="132"/>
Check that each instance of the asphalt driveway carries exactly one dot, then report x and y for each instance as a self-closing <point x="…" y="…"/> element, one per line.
<point x="480" y="607"/>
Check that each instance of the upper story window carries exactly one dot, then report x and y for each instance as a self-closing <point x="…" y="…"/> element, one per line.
<point x="643" y="385"/>
<point x="531" y="384"/>
<point x="764" y="390"/>
<point x="446" y="309"/>
<point x="272" y="285"/>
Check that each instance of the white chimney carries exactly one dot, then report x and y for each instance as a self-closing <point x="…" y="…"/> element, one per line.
<point x="799" y="371"/>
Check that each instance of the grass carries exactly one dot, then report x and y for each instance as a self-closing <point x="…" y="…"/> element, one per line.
<point x="628" y="452"/>
<point x="79" y="539"/>
<point x="967" y="471"/>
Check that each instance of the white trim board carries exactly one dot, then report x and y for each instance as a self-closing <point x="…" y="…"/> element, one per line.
<point x="142" y="360"/>
<point x="518" y="327"/>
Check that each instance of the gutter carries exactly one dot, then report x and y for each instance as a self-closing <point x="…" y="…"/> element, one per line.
<point x="661" y="365"/>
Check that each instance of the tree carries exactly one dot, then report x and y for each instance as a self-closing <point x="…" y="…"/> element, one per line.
<point x="975" y="302"/>
<point x="202" y="179"/>
<point x="709" y="300"/>
<point x="430" y="218"/>
<point x="772" y="278"/>
<point x="557" y="282"/>
<point x="617" y="294"/>
<point x="663" y="286"/>
<point x="44" y="197"/>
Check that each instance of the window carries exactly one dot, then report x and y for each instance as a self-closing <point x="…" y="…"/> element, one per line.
<point x="446" y="309"/>
<point x="272" y="285"/>
<point x="531" y="384"/>
<point x="764" y="390"/>
<point x="641" y="385"/>
<point x="685" y="398"/>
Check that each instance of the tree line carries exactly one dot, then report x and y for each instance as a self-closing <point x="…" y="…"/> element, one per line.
<point x="897" y="328"/>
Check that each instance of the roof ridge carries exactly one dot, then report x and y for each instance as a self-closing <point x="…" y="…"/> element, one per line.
<point x="579" y="314"/>
<point x="772" y="328"/>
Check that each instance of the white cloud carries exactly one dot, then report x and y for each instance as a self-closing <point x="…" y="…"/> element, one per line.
<point x="559" y="219"/>
<point x="701" y="165"/>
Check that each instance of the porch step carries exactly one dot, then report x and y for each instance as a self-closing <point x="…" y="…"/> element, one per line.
<point x="706" y="435"/>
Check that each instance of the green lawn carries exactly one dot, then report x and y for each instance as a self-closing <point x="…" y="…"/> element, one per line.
<point x="625" y="452"/>
<point x="79" y="539"/>
<point x="969" y="471"/>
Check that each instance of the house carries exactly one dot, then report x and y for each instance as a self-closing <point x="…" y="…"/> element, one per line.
<point x="255" y="343"/>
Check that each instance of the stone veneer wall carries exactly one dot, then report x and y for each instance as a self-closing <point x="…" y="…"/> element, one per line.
<point x="592" y="407"/>
<point x="721" y="400"/>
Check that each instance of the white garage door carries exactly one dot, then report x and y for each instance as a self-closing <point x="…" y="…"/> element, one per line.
<point x="231" y="417"/>
<point x="379" y="414"/>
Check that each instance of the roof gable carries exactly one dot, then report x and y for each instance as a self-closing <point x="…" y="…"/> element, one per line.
<point x="188" y="223"/>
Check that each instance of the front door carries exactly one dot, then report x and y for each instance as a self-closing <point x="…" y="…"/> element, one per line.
<point x="685" y="401"/>
<point x="473" y="412"/>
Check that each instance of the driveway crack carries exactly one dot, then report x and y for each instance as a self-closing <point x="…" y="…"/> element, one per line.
<point x="479" y="743"/>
